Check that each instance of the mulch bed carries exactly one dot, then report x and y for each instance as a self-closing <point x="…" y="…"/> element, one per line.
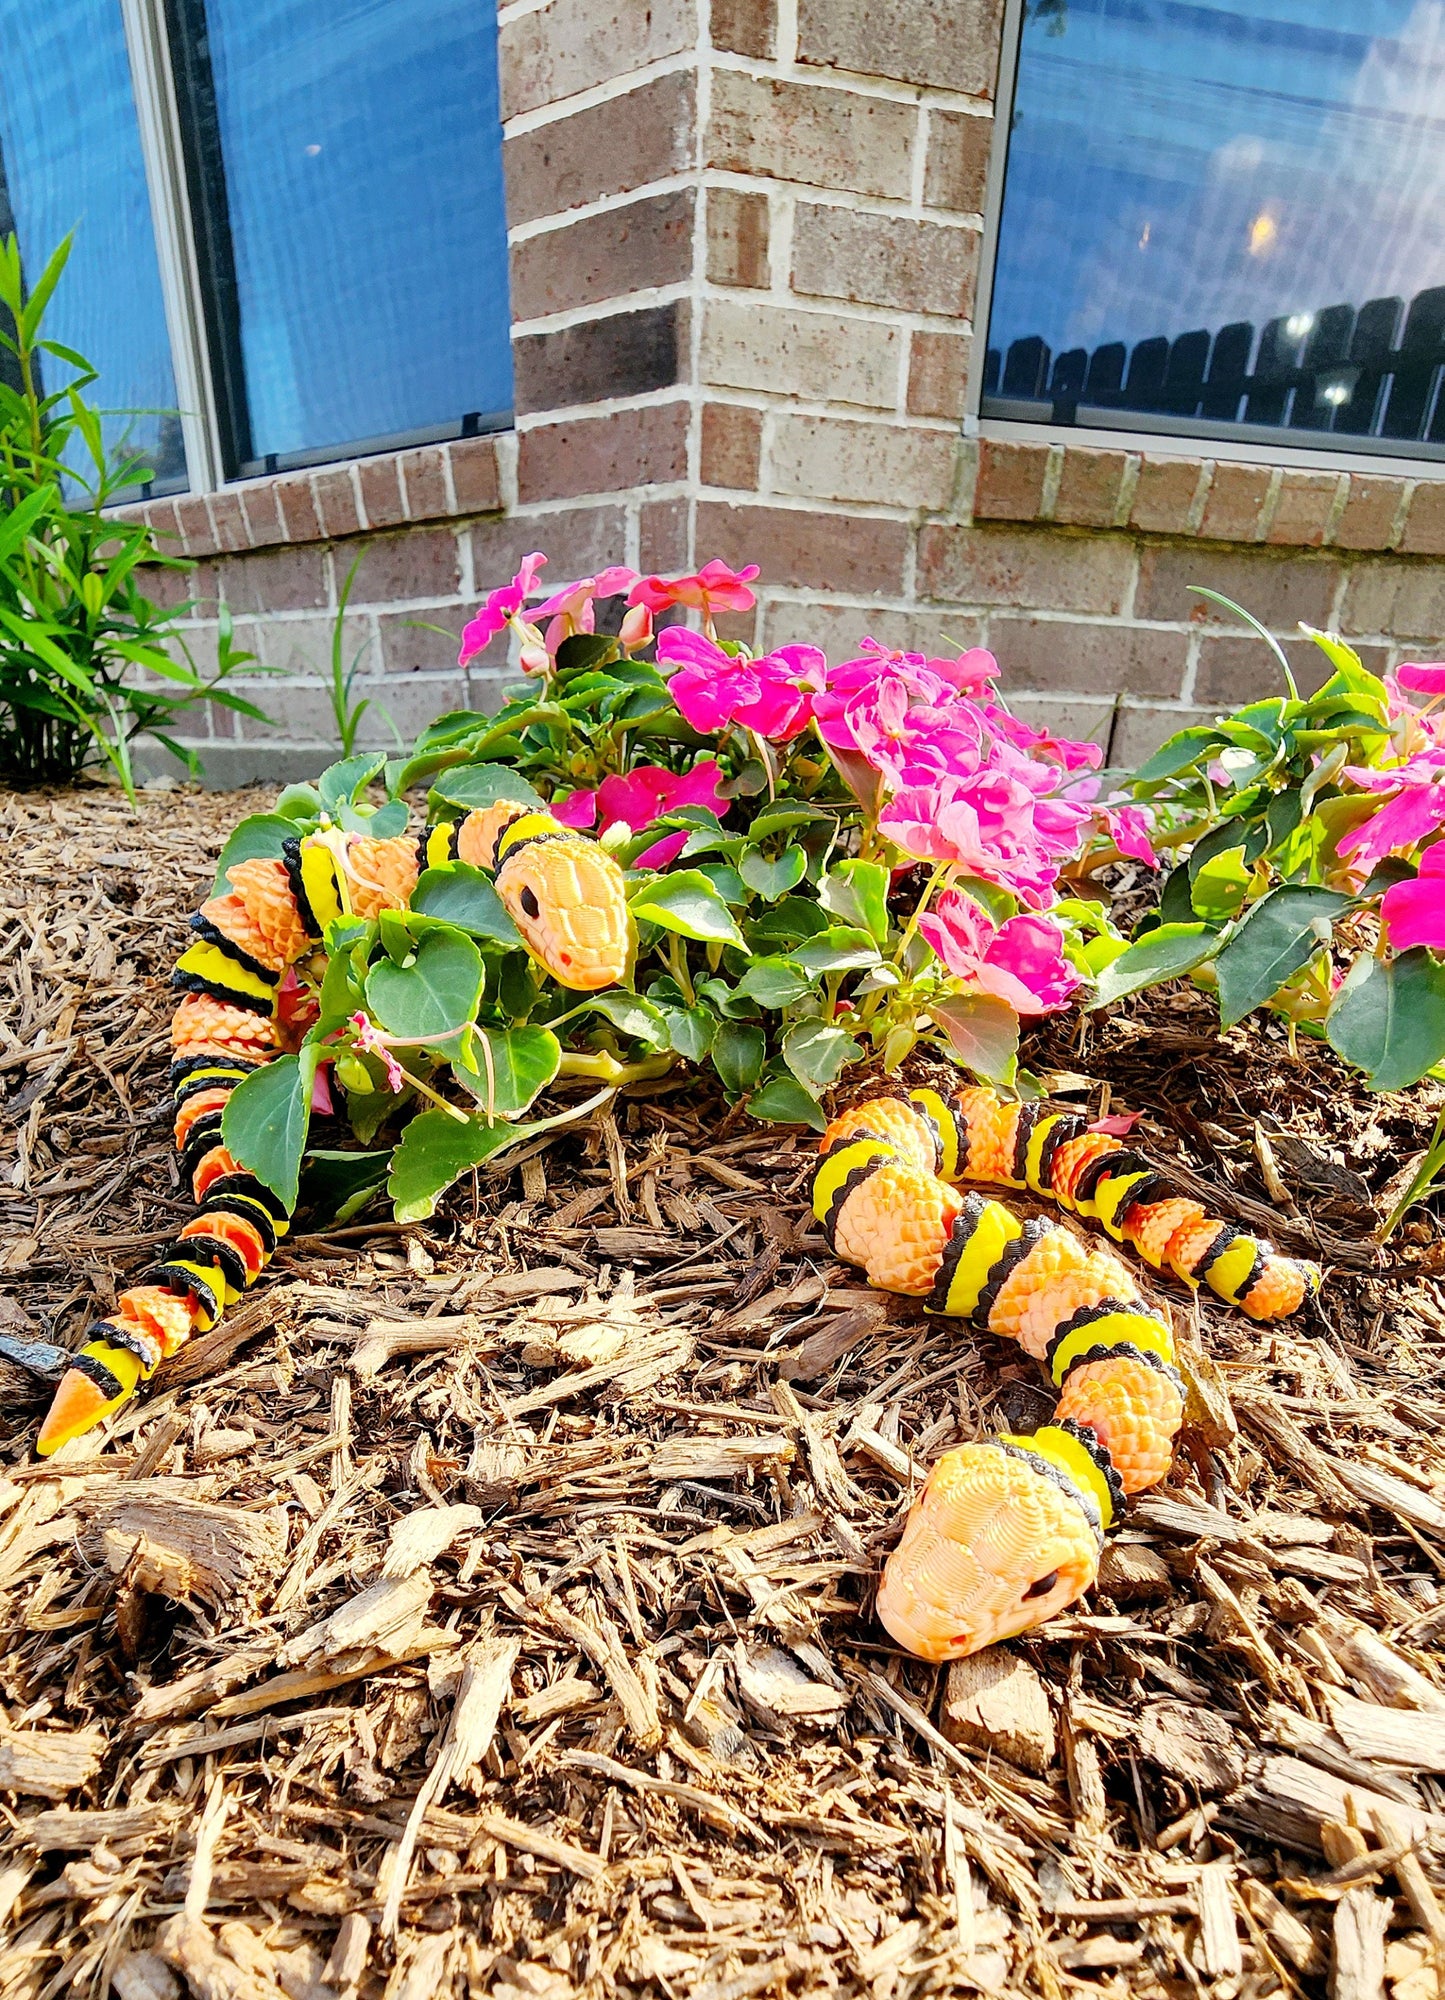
<point x="485" y="1606"/>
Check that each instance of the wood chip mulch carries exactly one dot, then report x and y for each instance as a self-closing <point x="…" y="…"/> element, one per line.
<point x="485" y="1607"/>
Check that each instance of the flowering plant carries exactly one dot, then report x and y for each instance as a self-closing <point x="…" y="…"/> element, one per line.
<point x="1307" y="876"/>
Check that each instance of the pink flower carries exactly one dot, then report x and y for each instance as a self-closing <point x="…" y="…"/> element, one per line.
<point x="641" y="798"/>
<point x="1415" y="812"/>
<point x="993" y="824"/>
<point x="321" y="1091"/>
<point x="772" y="696"/>
<point x="1426" y="679"/>
<point x="571" y="608"/>
<point x="1414" y="912"/>
<point x="500" y="609"/>
<point x="369" y="1040"/>
<point x="714" y="588"/>
<point x="1064" y="751"/>
<point x="880" y="686"/>
<point x="1129" y="827"/>
<point x="1021" y="962"/>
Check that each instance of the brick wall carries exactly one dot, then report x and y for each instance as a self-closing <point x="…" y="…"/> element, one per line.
<point x="745" y="239"/>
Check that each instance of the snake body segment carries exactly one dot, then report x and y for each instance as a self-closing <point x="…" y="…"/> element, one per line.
<point x="241" y="1006"/>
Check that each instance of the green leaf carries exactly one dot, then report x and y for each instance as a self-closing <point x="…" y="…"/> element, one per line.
<point x="837" y="949"/>
<point x="727" y="881"/>
<point x="1280" y="934"/>
<point x="773" y="879"/>
<point x="774" y="982"/>
<point x="738" y="1051"/>
<point x="465" y="897"/>
<point x="778" y="819"/>
<point x="432" y="997"/>
<point x="584" y="650"/>
<point x="301" y="804"/>
<point x="1166" y="953"/>
<point x="782" y="1100"/>
<point x="339" y="1185"/>
<point x="687" y="903"/>
<point x="690" y="1031"/>
<point x="266" y="1119"/>
<point x="1221" y="885"/>
<point x="1183" y="750"/>
<point x="436" y="1150"/>
<point x="856" y="892"/>
<point x="524" y="1062"/>
<point x="343" y="783"/>
<point x="631" y="1015"/>
<point x="786" y="924"/>
<point x="1389" y="1017"/>
<point x="983" y="1031"/>
<point x="256" y="838"/>
<point x="815" y="1051"/>
<point x="476" y="785"/>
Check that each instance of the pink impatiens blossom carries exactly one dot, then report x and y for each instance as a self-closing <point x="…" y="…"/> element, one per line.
<point x="1422" y="677"/>
<point x="772" y="696"/>
<point x="571" y="609"/>
<point x="1021" y="961"/>
<point x="368" y="1039"/>
<point x="713" y="588"/>
<point x="1129" y="827"/>
<point x="642" y="797"/>
<point x="501" y="607"/>
<point x="879" y="685"/>
<point x="1415" y="812"/>
<point x="1414" y="912"/>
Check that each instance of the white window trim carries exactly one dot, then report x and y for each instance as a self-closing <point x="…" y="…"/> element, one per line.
<point x="1128" y="434"/>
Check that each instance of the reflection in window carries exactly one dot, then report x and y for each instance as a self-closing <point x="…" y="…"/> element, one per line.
<point x="1226" y="215"/>
<point x="70" y="159"/>
<point x="346" y="166"/>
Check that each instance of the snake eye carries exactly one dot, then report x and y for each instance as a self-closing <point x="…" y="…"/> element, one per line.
<point x="1044" y="1585"/>
<point x="530" y="905"/>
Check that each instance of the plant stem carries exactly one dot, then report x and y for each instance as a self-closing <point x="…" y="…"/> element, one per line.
<point x="425" y="1090"/>
<point x="942" y="870"/>
<point x="607" y="1069"/>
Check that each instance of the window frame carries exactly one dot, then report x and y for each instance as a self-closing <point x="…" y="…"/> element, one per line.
<point x="1136" y="430"/>
<point x="210" y="432"/>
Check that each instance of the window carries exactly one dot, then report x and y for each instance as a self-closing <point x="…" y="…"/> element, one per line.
<point x="1226" y="220"/>
<point x="290" y="228"/>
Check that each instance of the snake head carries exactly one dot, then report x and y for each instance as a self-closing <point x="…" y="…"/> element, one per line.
<point x="995" y="1545"/>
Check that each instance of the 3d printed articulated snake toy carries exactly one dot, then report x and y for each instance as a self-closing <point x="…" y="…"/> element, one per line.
<point x="1006" y="1533"/>
<point x="566" y="896"/>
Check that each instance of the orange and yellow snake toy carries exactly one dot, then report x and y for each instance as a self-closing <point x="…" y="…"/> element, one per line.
<point x="242" y="1005"/>
<point x="1006" y="1533"/>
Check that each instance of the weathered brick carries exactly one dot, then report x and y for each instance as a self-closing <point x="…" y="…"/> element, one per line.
<point x="1164" y="495"/>
<point x="301" y="648"/>
<point x="645" y="447"/>
<point x="171" y="588"/>
<point x="745" y="27"/>
<point x="278" y="580"/>
<point x="611" y="149"/>
<point x="737" y="238"/>
<point x="193" y="524"/>
<point x="409" y="646"/>
<point x="662" y="537"/>
<point x="937" y="375"/>
<point x="840" y="628"/>
<point x="1237" y="494"/>
<point x="1061" y="655"/>
<point x="1090" y="486"/>
<point x="420" y="562"/>
<point x="1141" y="728"/>
<point x="1425" y="523"/>
<point x="569" y="45"/>
<point x="1368" y="521"/>
<point x="1010" y="480"/>
<point x="731" y="444"/>
<point x="647" y="243"/>
<point x="228" y="522"/>
<point x="822" y="356"/>
<point x="1077" y="717"/>
<point x="424" y="482"/>
<point x="1406" y="599"/>
<point x="1278" y="590"/>
<point x="955" y="174"/>
<point x="336" y="502"/>
<point x="160" y="517"/>
<point x="1232" y="671"/>
<point x="264" y="526"/>
<point x="806" y="550"/>
<point x="298" y="508"/>
<point x="807" y="132"/>
<point x="1303" y="508"/>
<point x="1039" y="570"/>
<point x="948" y="44"/>
<point x="578" y="541"/>
<point x="476" y="476"/>
<point x="825" y="458"/>
<point x="623" y="354"/>
<point x="381" y="493"/>
<point x="884" y="260"/>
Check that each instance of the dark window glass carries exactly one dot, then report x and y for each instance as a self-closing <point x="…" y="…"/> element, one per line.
<point x="1227" y="217"/>
<point x="345" y="161"/>
<point x="70" y="159"/>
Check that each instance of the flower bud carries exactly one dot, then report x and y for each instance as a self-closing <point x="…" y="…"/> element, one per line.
<point x="535" y="660"/>
<point x="636" y="626"/>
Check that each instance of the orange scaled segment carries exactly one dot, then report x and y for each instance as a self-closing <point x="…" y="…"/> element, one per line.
<point x="1152" y="1226"/>
<point x="886" y="1118"/>
<point x="203" y="1026"/>
<point x="264" y="888"/>
<point x="381" y="874"/>
<point x="1279" y="1290"/>
<point x="1133" y="1409"/>
<point x="895" y="1227"/>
